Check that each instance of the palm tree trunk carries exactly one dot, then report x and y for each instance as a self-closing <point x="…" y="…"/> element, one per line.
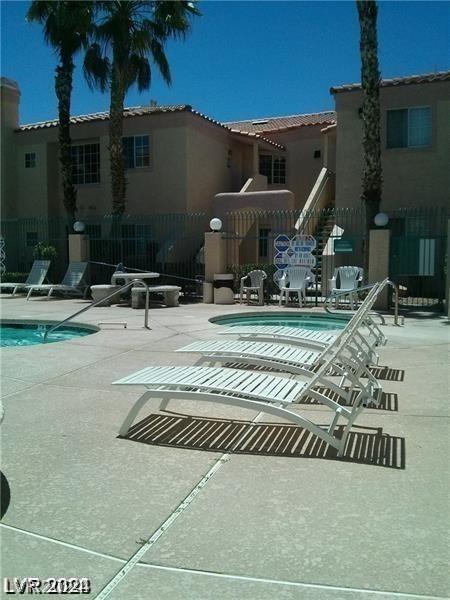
<point x="63" y="89"/>
<point x="118" y="181"/>
<point x="370" y="80"/>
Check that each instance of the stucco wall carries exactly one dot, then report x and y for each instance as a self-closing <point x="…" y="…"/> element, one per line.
<point x="302" y="168"/>
<point x="9" y="120"/>
<point x="412" y="177"/>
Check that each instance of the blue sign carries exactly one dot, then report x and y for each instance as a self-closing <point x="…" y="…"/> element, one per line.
<point x="282" y="243"/>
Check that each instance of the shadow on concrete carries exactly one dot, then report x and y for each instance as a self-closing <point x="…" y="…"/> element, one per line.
<point x="387" y="373"/>
<point x="5" y="495"/>
<point x="175" y="430"/>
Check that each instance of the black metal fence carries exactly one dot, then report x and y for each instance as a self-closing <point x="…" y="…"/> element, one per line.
<point x="166" y="243"/>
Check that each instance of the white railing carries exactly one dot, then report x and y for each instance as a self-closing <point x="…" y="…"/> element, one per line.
<point x="321" y="194"/>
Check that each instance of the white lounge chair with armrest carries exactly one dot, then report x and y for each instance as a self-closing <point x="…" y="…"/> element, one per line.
<point x="349" y="279"/>
<point x="73" y="282"/>
<point x="291" y="355"/>
<point x="295" y="279"/>
<point x="257" y="278"/>
<point x="287" y="357"/>
<point x="36" y="276"/>
<point x="368" y="332"/>
<point x="270" y="394"/>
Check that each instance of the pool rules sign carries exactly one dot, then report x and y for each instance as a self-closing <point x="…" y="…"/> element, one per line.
<point x="293" y="252"/>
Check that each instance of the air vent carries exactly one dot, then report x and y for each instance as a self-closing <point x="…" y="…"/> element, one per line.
<point x="261" y="122"/>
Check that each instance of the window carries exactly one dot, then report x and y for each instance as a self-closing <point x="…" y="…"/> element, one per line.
<point x="136" y="151"/>
<point x="30" y="160"/>
<point x="273" y="167"/>
<point x="409" y="128"/>
<point x="32" y="239"/>
<point x="263" y="243"/>
<point x="86" y="163"/>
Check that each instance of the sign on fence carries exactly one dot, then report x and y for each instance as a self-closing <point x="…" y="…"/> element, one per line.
<point x="343" y="245"/>
<point x="294" y="252"/>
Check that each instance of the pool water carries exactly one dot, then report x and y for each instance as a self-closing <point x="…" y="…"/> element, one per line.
<point x="314" y="322"/>
<point x="29" y="334"/>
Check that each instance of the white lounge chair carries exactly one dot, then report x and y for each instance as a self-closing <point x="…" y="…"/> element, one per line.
<point x="348" y="279"/>
<point x="292" y="358"/>
<point x="73" y="282"/>
<point x="256" y="286"/>
<point x="369" y="333"/>
<point x="261" y="392"/>
<point x="36" y="276"/>
<point x="295" y="279"/>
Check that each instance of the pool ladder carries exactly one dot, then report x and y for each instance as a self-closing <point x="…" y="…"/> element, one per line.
<point x="85" y="308"/>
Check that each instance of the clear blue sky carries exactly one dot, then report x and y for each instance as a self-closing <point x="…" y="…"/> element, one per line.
<point x="246" y="59"/>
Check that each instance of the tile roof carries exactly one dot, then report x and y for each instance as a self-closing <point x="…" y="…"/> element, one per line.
<point x="137" y="111"/>
<point x="275" y="124"/>
<point x="425" y="78"/>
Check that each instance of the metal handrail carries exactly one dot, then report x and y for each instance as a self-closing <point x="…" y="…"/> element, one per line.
<point x="362" y="288"/>
<point x="85" y="308"/>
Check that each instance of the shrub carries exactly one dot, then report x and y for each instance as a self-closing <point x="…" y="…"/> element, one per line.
<point x="44" y="251"/>
<point x="14" y="277"/>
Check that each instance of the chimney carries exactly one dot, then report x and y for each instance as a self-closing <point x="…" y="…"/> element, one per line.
<point x="153" y="103"/>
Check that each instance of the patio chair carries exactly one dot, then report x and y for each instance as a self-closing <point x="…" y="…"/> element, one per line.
<point x="291" y="357"/>
<point x="295" y="279"/>
<point x="256" y="286"/>
<point x="73" y="282"/>
<point x="348" y="278"/>
<point x="262" y="392"/>
<point x="36" y="276"/>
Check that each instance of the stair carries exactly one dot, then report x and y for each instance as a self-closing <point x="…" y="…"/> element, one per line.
<point x="322" y="232"/>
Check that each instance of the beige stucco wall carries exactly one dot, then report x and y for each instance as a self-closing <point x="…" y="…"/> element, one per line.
<point x="302" y="169"/>
<point x="412" y="177"/>
<point x="9" y="121"/>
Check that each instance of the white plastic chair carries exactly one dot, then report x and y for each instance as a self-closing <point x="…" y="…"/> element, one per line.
<point x="295" y="279"/>
<point x="348" y="278"/>
<point x="256" y="286"/>
<point x="72" y="284"/>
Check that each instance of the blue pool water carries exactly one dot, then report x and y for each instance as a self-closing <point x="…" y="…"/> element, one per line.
<point x="311" y="321"/>
<point x="29" y="334"/>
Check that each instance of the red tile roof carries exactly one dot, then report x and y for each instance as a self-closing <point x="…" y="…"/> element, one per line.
<point x="425" y="78"/>
<point x="275" y="124"/>
<point x="138" y="111"/>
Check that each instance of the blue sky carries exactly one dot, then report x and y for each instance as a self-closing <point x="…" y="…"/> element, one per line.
<point x="245" y="59"/>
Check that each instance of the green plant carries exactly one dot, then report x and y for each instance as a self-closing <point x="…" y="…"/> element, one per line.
<point x="10" y="277"/>
<point x="44" y="251"/>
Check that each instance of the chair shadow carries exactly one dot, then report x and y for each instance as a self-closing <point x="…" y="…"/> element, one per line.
<point x="176" y="430"/>
<point x="387" y="373"/>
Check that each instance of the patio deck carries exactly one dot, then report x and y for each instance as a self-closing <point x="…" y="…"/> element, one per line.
<point x="263" y="525"/>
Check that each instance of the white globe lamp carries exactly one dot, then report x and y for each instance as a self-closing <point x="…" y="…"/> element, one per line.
<point x="215" y="224"/>
<point x="79" y="227"/>
<point x="381" y="219"/>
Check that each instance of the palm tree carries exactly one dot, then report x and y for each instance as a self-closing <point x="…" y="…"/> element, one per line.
<point x="133" y="32"/>
<point x="370" y="81"/>
<point x="66" y="28"/>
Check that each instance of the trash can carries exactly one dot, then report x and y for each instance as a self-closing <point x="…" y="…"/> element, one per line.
<point x="208" y="293"/>
<point x="223" y="288"/>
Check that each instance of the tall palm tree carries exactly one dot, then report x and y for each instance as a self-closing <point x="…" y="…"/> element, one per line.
<point x="133" y="34"/>
<point x="370" y="81"/>
<point x="66" y="28"/>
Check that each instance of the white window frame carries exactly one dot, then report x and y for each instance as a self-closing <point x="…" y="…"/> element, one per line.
<point x="272" y="166"/>
<point x="84" y="144"/>
<point x="408" y="109"/>
<point x="30" y="158"/>
<point x="134" y="137"/>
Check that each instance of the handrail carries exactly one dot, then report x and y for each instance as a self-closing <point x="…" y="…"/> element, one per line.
<point x="362" y="288"/>
<point x="85" y="308"/>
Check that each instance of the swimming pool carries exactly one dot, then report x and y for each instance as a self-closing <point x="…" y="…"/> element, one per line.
<point x="313" y="321"/>
<point x="13" y="334"/>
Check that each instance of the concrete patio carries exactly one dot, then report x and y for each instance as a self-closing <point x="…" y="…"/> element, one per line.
<point x="305" y="526"/>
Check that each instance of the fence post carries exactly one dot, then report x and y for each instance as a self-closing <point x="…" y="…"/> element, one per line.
<point x="215" y="257"/>
<point x="379" y="251"/>
<point x="78" y="247"/>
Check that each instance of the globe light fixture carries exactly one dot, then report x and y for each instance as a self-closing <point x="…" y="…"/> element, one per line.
<point x="381" y="219"/>
<point x="215" y="224"/>
<point x="79" y="227"/>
